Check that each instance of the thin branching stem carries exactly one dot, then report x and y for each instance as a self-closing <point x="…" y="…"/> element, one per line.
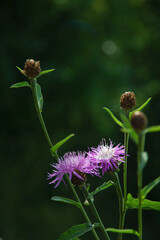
<point x="140" y="150"/>
<point x="34" y="93"/>
<point x="118" y="188"/>
<point x="126" y="138"/>
<point x="94" y="210"/>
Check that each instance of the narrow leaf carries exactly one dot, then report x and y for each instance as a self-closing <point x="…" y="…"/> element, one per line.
<point x="140" y="108"/>
<point x="113" y="117"/>
<point x="65" y="200"/>
<point x="39" y="96"/>
<point x="128" y="231"/>
<point x="19" y="69"/>
<point x="144" y="160"/>
<point x="45" y="72"/>
<point x="76" y="231"/>
<point x="59" y="144"/>
<point x="128" y="128"/>
<point x="133" y="203"/>
<point x="20" y="84"/>
<point x="102" y="187"/>
<point x="149" y="187"/>
<point x="88" y="187"/>
<point x="152" y="129"/>
<point x="125" y="121"/>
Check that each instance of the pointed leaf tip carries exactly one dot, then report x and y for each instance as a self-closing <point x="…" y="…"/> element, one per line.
<point x="152" y="129"/>
<point x="140" y="108"/>
<point x="113" y="117"/>
<point x="66" y="200"/>
<point x="45" y="72"/>
<point x="20" y="84"/>
<point x="133" y="203"/>
<point x="60" y="143"/>
<point x="19" y="68"/>
<point x="149" y="187"/>
<point x="76" y="231"/>
<point x="126" y="231"/>
<point x="101" y="188"/>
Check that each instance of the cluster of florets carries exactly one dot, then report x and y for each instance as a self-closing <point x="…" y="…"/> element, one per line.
<point x="127" y="101"/>
<point x="32" y="68"/>
<point x="77" y="164"/>
<point x="107" y="156"/>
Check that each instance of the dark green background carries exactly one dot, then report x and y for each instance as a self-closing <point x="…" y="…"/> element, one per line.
<point x="100" y="49"/>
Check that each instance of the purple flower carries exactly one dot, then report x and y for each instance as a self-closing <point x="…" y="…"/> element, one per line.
<point x="107" y="156"/>
<point x="75" y="165"/>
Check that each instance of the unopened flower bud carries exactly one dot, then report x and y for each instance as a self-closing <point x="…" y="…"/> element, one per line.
<point x="127" y="101"/>
<point x="139" y="121"/>
<point x="78" y="181"/>
<point x="32" y="68"/>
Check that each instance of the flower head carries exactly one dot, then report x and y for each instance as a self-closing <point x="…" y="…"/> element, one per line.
<point x="127" y="101"/>
<point x="31" y="68"/>
<point x="76" y="165"/>
<point x="108" y="156"/>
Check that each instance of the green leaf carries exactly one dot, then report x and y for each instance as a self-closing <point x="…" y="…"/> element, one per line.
<point x="20" y="84"/>
<point x="149" y="187"/>
<point x="65" y="200"/>
<point x="19" y="69"/>
<point x="128" y="231"/>
<point x="128" y="128"/>
<point x="113" y="117"/>
<point x="39" y="96"/>
<point x="45" y="72"/>
<point x="140" y="108"/>
<point x="152" y="129"/>
<point x="144" y="160"/>
<point x="102" y="187"/>
<point x="133" y="203"/>
<point x="76" y="231"/>
<point x="59" y="144"/>
<point x="88" y="186"/>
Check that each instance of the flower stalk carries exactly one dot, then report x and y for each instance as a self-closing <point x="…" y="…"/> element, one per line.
<point x="33" y="83"/>
<point x="120" y="199"/>
<point x="126" y="139"/>
<point x="141" y="143"/>
<point x="139" y="123"/>
<point x="94" y="210"/>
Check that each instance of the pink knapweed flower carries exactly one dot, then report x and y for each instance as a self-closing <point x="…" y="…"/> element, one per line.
<point x="107" y="156"/>
<point x="76" y="165"/>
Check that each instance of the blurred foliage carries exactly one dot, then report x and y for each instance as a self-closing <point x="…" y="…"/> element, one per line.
<point x="99" y="49"/>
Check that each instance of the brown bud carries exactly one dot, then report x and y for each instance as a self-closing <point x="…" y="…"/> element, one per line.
<point x="31" y="68"/>
<point x="139" y="121"/>
<point x="128" y="100"/>
<point x="78" y="181"/>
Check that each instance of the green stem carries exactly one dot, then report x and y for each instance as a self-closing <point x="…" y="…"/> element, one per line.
<point x="141" y="143"/>
<point x="34" y="93"/>
<point x="81" y="206"/>
<point x="94" y="210"/>
<point x="120" y="198"/>
<point x="126" y="138"/>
